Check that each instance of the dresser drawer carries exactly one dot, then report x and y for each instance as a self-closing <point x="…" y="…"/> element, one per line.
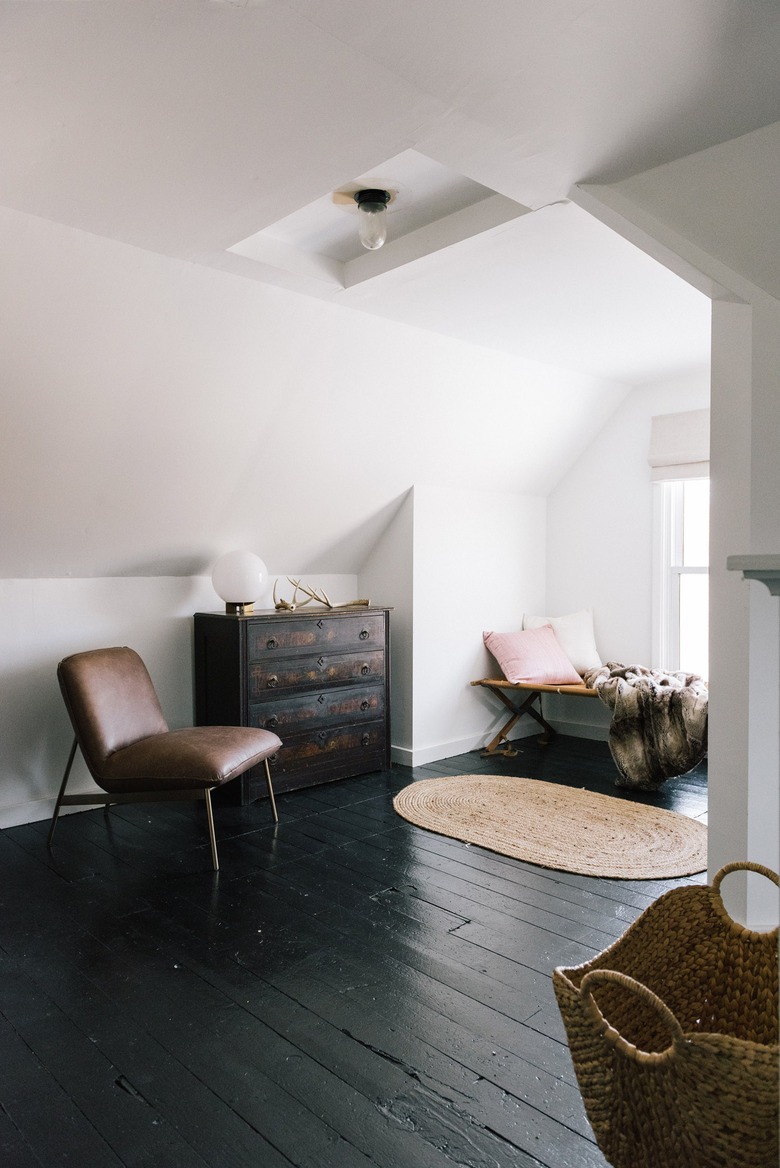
<point x="338" y="744"/>
<point x="328" y="707"/>
<point x="267" y="676"/>
<point x="326" y="633"/>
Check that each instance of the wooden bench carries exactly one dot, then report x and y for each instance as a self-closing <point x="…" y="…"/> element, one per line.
<point x="534" y="691"/>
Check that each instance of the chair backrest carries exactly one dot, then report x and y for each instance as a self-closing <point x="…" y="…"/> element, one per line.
<point x="111" y="702"/>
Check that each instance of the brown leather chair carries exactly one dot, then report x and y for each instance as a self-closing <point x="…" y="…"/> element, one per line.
<point x="128" y="748"/>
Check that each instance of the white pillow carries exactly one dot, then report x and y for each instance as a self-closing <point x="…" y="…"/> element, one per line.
<point x="575" y="636"/>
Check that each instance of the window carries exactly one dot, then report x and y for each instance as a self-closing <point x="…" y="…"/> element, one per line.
<point x="683" y="575"/>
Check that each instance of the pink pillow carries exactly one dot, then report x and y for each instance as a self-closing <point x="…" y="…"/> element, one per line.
<point x="532" y="655"/>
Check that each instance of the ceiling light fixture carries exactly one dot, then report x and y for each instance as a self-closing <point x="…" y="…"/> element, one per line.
<point x="372" y="220"/>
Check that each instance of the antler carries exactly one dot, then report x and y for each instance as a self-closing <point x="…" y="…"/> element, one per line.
<point x="290" y="605"/>
<point x="318" y="594"/>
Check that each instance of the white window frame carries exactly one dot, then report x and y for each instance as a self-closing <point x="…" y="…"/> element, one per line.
<point x="668" y="568"/>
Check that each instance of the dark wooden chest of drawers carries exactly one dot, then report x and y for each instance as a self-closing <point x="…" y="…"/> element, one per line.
<point x="319" y="679"/>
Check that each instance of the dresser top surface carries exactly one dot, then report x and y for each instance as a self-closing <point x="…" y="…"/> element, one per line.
<point x="299" y="613"/>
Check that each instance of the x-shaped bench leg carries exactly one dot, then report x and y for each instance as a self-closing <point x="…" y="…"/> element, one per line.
<point x="526" y="707"/>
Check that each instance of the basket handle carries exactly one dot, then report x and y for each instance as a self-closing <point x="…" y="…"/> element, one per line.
<point x="738" y="866"/>
<point x="597" y="976"/>
<point x="743" y="866"/>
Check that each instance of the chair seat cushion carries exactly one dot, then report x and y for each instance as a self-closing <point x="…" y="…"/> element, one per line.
<point x="199" y="756"/>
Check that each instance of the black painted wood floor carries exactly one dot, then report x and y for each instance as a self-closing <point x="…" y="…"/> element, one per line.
<point x="348" y="991"/>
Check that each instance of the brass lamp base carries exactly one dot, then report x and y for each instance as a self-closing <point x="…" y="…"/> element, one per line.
<point x="238" y="609"/>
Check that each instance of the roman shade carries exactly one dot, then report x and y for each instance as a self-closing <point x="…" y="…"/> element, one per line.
<point x="680" y="446"/>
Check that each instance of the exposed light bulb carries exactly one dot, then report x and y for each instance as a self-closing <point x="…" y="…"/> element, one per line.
<point x="372" y="225"/>
<point x="372" y="217"/>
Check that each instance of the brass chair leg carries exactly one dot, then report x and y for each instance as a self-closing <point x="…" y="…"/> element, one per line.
<point x="271" y="791"/>
<point x="212" y="836"/>
<point x="63" y="785"/>
<point x="107" y="800"/>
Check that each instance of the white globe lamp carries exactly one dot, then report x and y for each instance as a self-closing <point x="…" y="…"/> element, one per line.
<point x="239" y="578"/>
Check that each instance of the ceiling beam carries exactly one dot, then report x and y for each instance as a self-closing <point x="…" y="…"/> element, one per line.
<point x="487" y="214"/>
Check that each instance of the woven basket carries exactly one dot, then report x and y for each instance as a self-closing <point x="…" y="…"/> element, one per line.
<point x="684" y="1073"/>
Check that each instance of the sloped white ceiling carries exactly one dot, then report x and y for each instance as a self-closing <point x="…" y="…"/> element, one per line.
<point x="739" y="220"/>
<point x="158" y="399"/>
<point x="540" y="95"/>
<point x="156" y="413"/>
<point x="185" y="126"/>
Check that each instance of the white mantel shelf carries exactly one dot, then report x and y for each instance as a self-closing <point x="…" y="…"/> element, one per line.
<point x="763" y="568"/>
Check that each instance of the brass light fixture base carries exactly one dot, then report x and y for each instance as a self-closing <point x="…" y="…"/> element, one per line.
<point x="240" y="609"/>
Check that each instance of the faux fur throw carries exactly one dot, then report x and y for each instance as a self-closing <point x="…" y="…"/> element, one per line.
<point x="659" y="721"/>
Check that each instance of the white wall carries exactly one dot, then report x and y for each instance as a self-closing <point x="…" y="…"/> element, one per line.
<point x="450" y="563"/>
<point x="695" y="216"/>
<point x="387" y="578"/>
<point x="745" y="626"/>
<point x="600" y="538"/>
<point x="453" y="563"/>
<point x="42" y="621"/>
<point x="157" y="412"/>
<point x="479" y="563"/>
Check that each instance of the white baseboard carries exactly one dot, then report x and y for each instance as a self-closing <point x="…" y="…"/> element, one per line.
<point x="415" y="758"/>
<point x="580" y="729"/>
<point x="15" y="814"/>
<point x="35" y="810"/>
<point x="406" y="756"/>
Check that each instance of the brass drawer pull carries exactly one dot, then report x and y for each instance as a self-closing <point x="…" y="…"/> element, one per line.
<point x="365" y="739"/>
<point x="271" y="722"/>
<point x="273" y="681"/>
<point x="321" y="736"/>
<point x="272" y="643"/>
<point x="274" y="757"/>
<point x="365" y="704"/>
<point x="364" y="669"/>
<point x="364" y="634"/>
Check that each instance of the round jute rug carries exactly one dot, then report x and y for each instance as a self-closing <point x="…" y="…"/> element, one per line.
<point x="558" y="827"/>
